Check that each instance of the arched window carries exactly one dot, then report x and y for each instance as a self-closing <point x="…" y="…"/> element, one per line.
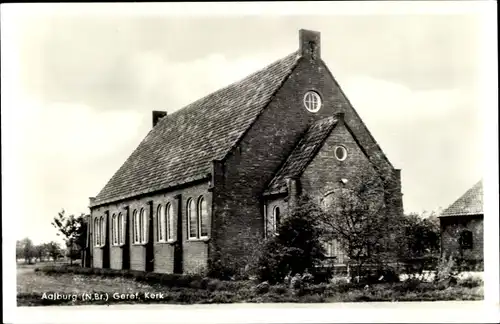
<point x="192" y="219"/>
<point x="465" y="240"/>
<point x="144" y="226"/>
<point x="136" y="228"/>
<point x="170" y="222"/>
<point x="276" y="218"/>
<point x="202" y="217"/>
<point x="96" y="231"/>
<point x="114" y="229"/>
<point x="102" y="225"/>
<point x="121" y="229"/>
<point x="160" y="224"/>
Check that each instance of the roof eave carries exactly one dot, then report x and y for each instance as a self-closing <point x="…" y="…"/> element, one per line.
<point x="152" y="191"/>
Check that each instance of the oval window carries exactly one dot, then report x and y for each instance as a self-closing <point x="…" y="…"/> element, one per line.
<point x="312" y="101"/>
<point x="340" y="153"/>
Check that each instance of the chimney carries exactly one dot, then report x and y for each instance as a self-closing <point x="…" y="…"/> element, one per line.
<point x="157" y="115"/>
<point x="91" y="200"/>
<point x="310" y="44"/>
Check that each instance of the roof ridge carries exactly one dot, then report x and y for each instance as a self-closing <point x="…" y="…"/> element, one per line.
<point x="181" y="146"/>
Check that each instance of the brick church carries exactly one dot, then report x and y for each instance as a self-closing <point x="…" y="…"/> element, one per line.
<point x="227" y="168"/>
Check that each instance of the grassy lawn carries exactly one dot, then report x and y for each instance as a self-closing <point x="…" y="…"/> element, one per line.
<point x="32" y="285"/>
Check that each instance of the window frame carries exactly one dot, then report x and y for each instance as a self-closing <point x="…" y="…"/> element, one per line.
<point x="170" y="222"/>
<point x="136" y="227"/>
<point x="114" y="230"/>
<point x="190" y="208"/>
<point x="466" y="236"/>
<point x="276" y="220"/>
<point x="144" y="228"/>
<point x="102" y="231"/>
<point x="160" y="224"/>
<point x="97" y="232"/>
<point x="311" y="98"/>
<point x="344" y="150"/>
<point x="199" y="211"/>
<point x="121" y="229"/>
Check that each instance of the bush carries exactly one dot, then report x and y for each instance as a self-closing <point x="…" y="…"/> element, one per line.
<point x="296" y="282"/>
<point x="446" y="269"/>
<point x="296" y="248"/>
<point x="470" y="282"/>
<point x="262" y="288"/>
<point x="279" y="289"/>
<point x="214" y="284"/>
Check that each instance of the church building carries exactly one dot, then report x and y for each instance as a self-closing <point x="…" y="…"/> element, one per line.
<point x="216" y="176"/>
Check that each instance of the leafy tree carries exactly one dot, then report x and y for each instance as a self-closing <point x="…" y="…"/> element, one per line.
<point x="74" y="231"/>
<point x="358" y="217"/>
<point x="297" y="246"/>
<point x="53" y="249"/>
<point x="19" y="250"/>
<point x="28" y="249"/>
<point x="40" y="251"/>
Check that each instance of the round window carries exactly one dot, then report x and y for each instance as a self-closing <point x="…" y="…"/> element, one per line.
<point x="312" y="101"/>
<point x="340" y="153"/>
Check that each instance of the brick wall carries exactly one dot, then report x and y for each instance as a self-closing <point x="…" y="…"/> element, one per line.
<point x="194" y="253"/>
<point x="116" y="257"/>
<point x="253" y="163"/>
<point x="266" y="145"/>
<point x="325" y="171"/>
<point x="450" y="232"/>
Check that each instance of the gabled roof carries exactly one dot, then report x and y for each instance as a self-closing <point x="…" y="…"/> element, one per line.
<point x="302" y="154"/>
<point x="471" y="203"/>
<point x="181" y="147"/>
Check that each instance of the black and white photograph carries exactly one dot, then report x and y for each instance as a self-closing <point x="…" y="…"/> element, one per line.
<point x="311" y="161"/>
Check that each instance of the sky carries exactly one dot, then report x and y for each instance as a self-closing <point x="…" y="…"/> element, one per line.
<point x="81" y="85"/>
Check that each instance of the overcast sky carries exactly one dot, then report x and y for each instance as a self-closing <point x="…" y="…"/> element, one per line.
<point x="82" y="88"/>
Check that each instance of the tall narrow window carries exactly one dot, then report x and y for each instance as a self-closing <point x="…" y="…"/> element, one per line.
<point x="96" y="231"/>
<point x="102" y="224"/>
<point x="114" y="229"/>
<point x="120" y="230"/>
<point x="276" y="217"/>
<point x="144" y="226"/>
<point x="202" y="217"/>
<point x="192" y="219"/>
<point x="465" y="240"/>
<point x="136" y="228"/>
<point x="170" y="222"/>
<point x="160" y="224"/>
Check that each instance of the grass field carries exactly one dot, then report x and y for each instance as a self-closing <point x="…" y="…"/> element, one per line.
<point x="32" y="285"/>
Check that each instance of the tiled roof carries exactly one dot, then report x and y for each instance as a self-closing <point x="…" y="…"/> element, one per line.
<point x="471" y="203"/>
<point x="302" y="154"/>
<point x="181" y="146"/>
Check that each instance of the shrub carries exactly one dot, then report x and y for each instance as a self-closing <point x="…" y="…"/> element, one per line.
<point x="446" y="269"/>
<point x="296" y="282"/>
<point x="410" y="285"/>
<point x="296" y="247"/>
<point x="279" y="289"/>
<point x="214" y="284"/>
<point x="223" y="297"/>
<point x="316" y="298"/>
<point x="470" y="282"/>
<point x="307" y="278"/>
<point x="262" y="288"/>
